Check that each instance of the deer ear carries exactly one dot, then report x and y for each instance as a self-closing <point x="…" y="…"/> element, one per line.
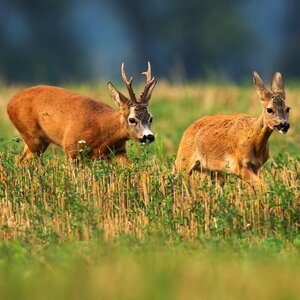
<point x="278" y="84"/>
<point x="117" y="96"/>
<point x="260" y="87"/>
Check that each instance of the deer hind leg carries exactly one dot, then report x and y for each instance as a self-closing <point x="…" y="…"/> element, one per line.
<point x="33" y="146"/>
<point x="26" y="154"/>
<point x="194" y="166"/>
<point x="186" y="163"/>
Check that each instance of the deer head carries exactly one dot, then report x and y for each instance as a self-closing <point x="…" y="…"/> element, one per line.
<point x="275" y="112"/>
<point x="136" y="118"/>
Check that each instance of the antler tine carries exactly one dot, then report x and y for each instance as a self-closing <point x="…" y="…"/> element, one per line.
<point x="148" y="73"/>
<point x="149" y="83"/>
<point x="128" y="84"/>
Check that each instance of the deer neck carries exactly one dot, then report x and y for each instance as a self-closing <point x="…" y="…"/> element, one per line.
<point x="261" y="133"/>
<point x="112" y="129"/>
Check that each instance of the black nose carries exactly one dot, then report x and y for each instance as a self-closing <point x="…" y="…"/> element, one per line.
<point x="284" y="126"/>
<point x="149" y="137"/>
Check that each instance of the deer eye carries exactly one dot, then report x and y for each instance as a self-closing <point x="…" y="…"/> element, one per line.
<point x="287" y="110"/>
<point x="151" y="120"/>
<point x="270" y="110"/>
<point x="132" y="120"/>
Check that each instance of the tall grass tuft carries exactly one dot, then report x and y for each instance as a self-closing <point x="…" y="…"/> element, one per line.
<point x="58" y="200"/>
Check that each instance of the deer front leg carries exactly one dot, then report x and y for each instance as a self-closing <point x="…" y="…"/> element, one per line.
<point x="248" y="175"/>
<point x="123" y="159"/>
<point x="219" y="178"/>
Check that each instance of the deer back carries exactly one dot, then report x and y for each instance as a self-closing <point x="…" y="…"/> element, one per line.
<point x="50" y="112"/>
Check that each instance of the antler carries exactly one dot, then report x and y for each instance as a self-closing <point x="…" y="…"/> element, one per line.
<point x="128" y="84"/>
<point x="150" y="84"/>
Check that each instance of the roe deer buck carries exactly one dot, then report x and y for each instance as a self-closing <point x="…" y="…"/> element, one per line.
<point x="47" y="114"/>
<point x="237" y="142"/>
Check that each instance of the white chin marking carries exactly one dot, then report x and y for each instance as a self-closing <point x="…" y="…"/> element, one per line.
<point x="283" y="132"/>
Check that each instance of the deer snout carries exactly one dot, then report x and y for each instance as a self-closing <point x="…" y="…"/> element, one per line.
<point x="284" y="127"/>
<point x="148" y="137"/>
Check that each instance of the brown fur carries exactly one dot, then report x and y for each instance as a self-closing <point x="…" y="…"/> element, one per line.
<point x="238" y="143"/>
<point x="47" y="114"/>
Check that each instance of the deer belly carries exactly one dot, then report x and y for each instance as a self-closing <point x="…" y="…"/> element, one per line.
<point x="221" y="164"/>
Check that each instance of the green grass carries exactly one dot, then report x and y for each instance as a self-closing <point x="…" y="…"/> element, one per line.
<point x="127" y="269"/>
<point x="102" y="231"/>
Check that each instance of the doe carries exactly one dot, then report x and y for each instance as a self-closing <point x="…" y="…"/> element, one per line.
<point x="236" y="142"/>
<point x="47" y="114"/>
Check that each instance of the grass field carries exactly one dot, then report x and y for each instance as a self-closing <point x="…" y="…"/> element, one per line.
<point x="100" y="231"/>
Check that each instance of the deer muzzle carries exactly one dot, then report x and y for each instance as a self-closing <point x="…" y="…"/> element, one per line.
<point x="283" y="127"/>
<point x="147" y="138"/>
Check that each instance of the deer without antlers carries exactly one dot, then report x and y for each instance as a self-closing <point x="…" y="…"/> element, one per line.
<point x="47" y="114"/>
<point x="236" y="142"/>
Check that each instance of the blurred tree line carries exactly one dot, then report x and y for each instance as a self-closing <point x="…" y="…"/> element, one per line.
<point x="183" y="39"/>
<point x="188" y="38"/>
<point x="38" y="44"/>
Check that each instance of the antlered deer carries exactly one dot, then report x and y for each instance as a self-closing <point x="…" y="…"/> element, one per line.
<point x="47" y="114"/>
<point x="235" y="141"/>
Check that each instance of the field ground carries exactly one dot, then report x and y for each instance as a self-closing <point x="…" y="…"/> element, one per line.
<point x="110" y="232"/>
